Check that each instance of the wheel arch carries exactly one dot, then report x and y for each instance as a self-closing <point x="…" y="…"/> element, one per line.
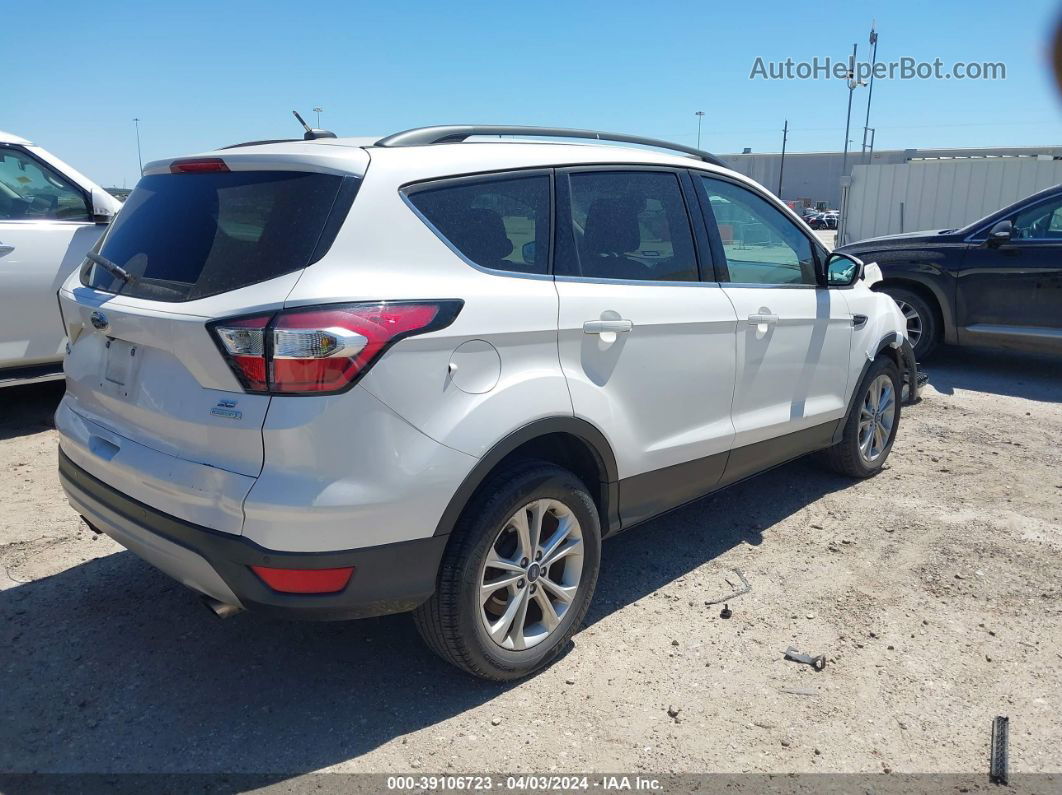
<point x="570" y="442"/>
<point x="931" y="293"/>
<point x="889" y="346"/>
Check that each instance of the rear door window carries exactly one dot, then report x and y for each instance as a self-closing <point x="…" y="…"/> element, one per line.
<point x="628" y="225"/>
<point x="500" y="224"/>
<point x="188" y="236"/>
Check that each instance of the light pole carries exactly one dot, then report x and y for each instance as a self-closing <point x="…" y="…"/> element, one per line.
<point x="139" y="159"/>
<point x="870" y="89"/>
<point x="781" y="164"/>
<point x="700" y="115"/>
<point x="318" y="111"/>
<point x="853" y="84"/>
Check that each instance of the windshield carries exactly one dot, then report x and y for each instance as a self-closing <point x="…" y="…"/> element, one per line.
<point x="185" y="236"/>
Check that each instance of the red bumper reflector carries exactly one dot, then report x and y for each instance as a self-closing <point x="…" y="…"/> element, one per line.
<point x="305" y="580"/>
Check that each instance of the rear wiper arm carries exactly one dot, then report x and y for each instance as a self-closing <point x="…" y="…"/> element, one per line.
<point x="115" y="270"/>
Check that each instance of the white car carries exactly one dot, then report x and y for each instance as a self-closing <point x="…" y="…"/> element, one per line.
<point x="330" y="380"/>
<point x="50" y="215"/>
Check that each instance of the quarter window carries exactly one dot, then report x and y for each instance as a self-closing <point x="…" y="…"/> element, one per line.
<point x="762" y="246"/>
<point x="628" y="225"/>
<point x="500" y="224"/>
<point x="31" y="191"/>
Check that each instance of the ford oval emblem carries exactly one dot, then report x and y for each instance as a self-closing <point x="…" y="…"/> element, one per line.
<point x="99" y="320"/>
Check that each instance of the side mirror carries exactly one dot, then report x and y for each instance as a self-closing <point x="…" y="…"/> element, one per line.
<point x="101" y="208"/>
<point x="1000" y="233"/>
<point x="843" y="270"/>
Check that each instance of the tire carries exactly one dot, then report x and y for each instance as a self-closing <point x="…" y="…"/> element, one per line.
<point x="855" y="454"/>
<point x="455" y="623"/>
<point x="923" y="328"/>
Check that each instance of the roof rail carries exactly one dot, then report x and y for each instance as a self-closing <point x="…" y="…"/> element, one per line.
<point x="422" y="136"/>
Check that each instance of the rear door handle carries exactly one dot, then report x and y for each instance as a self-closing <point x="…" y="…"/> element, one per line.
<point x="5" y="249"/>
<point x="760" y="320"/>
<point x="606" y="326"/>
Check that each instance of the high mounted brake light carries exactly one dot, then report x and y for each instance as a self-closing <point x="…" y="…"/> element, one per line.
<point x="198" y="165"/>
<point x="324" y="349"/>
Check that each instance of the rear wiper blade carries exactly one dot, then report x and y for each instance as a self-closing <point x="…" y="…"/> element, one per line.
<point x="115" y="270"/>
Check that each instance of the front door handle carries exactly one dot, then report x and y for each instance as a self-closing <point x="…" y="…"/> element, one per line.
<point x="761" y="320"/>
<point x="5" y="249"/>
<point x="607" y="326"/>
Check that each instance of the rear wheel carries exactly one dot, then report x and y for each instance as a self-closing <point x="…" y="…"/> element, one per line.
<point x="871" y="426"/>
<point x="922" y="327"/>
<point x="517" y="578"/>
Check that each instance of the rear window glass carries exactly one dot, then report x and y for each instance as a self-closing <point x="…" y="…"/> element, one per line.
<point x="187" y="236"/>
<point x="501" y="224"/>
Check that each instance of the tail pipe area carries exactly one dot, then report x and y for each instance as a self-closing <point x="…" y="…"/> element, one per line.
<point x="221" y="609"/>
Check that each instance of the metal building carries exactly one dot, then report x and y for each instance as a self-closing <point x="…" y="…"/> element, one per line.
<point x="938" y="193"/>
<point x="816" y="176"/>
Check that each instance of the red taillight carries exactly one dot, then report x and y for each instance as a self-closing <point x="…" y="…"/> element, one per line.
<point x="305" y="580"/>
<point x="322" y="350"/>
<point x="198" y="165"/>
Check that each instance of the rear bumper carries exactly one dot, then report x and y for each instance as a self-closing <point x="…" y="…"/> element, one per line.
<point x="389" y="578"/>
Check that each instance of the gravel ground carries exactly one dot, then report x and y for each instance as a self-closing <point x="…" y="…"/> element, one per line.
<point x="934" y="589"/>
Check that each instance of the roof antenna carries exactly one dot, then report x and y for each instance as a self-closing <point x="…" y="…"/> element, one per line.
<point x="312" y="134"/>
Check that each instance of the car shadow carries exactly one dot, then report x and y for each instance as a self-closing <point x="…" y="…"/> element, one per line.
<point x="29" y="409"/>
<point x="633" y="567"/>
<point x="109" y="666"/>
<point x="1010" y="373"/>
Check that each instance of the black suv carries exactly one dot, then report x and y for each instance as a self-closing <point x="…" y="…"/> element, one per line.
<point x="996" y="282"/>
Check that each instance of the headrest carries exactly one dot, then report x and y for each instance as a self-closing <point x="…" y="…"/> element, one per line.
<point x="612" y="227"/>
<point x="480" y="235"/>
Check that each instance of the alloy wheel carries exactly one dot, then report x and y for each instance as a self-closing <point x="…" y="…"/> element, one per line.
<point x="531" y="574"/>
<point x="914" y="321"/>
<point x="877" y="415"/>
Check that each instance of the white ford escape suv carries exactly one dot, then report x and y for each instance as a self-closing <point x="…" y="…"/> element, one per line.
<point x="329" y="380"/>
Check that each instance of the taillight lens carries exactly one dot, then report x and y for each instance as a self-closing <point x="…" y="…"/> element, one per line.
<point x="322" y="350"/>
<point x="243" y="342"/>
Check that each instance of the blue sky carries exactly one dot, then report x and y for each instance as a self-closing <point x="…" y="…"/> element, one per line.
<point x="207" y="74"/>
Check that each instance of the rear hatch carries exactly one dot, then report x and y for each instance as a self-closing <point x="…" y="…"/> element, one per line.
<point x="197" y="240"/>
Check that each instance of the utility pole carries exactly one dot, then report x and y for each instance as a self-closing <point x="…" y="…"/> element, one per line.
<point x="870" y="89"/>
<point x="781" y="166"/>
<point x="700" y="115"/>
<point x="139" y="159"/>
<point x="853" y="83"/>
<point x="318" y="111"/>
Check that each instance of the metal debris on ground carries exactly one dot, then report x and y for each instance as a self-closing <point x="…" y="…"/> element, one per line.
<point x="998" y="772"/>
<point x="817" y="662"/>
<point x="800" y="691"/>
<point x="745" y="588"/>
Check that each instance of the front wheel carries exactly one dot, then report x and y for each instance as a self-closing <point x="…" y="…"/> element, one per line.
<point x="922" y="331"/>
<point x="518" y="576"/>
<point x="871" y="425"/>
